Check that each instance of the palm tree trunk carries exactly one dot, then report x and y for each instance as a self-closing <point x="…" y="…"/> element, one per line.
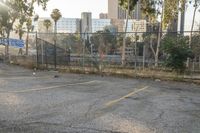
<point x="55" y="49"/>
<point x="45" y="47"/>
<point x="124" y="37"/>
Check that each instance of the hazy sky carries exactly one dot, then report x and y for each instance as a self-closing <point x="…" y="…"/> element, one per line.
<point x="73" y="8"/>
<point x="188" y="18"/>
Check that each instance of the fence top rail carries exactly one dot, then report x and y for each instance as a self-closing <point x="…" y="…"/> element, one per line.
<point x="82" y="33"/>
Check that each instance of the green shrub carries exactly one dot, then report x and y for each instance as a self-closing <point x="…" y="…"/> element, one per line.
<point x="177" y="51"/>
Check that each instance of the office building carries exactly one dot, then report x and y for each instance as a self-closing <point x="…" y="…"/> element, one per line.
<point x="68" y="25"/>
<point x="99" y="24"/>
<point x="75" y="25"/>
<point x="115" y="11"/>
<point x="181" y="20"/>
<point x="86" y="22"/>
<point x="103" y="16"/>
<point x="64" y="25"/>
<point x="137" y="13"/>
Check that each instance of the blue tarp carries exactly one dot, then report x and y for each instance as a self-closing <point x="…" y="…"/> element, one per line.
<point x="12" y="42"/>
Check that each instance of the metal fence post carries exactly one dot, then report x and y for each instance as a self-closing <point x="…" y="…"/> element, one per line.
<point x="45" y="47"/>
<point x="144" y="54"/>
<point x="55" y="51"/>
<point x="135" y="50"/>
<point x="42" y="50"/>
<point x="84" y="52"/>
<point x="37" y="57"/>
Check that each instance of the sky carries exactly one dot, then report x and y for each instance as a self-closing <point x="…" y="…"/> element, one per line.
<point x="188" y="18"/>
<point x="73" y="8"/>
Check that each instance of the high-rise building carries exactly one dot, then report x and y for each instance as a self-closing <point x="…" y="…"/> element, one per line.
<point x="68" y="25"/>
<point x="137" y="13"/>
<point x="86" y="22"/>
<point x="182" y="19"/>
<point x="86" y="25"/>
<point x="177" y="24"/>
<point x="116" y="12"/>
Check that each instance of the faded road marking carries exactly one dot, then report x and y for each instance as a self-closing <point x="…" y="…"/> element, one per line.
<point x="50" y="87"/>
<point x="25" y="77"/>
<point x="110" y="103"/>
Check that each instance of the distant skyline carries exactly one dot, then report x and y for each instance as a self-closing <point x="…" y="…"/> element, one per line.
<point x="73" y="9"/>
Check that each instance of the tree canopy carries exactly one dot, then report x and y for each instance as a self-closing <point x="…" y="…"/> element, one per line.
<point x="124" y="4"/>
<point x="56" y="15"/>
<point x="47" y="23"/>
<point x="11" y="10"/>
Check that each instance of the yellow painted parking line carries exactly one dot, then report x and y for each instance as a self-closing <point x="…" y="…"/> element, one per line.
<point x="50" y="87"/>
<point x="110" y="103"/>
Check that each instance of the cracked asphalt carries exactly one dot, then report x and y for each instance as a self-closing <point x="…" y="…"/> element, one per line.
<point x="74" y="103"/>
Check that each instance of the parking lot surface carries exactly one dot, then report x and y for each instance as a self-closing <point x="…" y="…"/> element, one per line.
<point x="48" y="101"/>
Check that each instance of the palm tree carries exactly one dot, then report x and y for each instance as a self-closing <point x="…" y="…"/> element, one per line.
<point x="55" y="15"/>
<point x="47" y="24"/>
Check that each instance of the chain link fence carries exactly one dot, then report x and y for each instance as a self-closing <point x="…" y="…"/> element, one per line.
<point x="103" y="49"/>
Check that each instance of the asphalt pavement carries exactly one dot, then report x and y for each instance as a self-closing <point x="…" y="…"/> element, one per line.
<point x="52" y="102"/>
